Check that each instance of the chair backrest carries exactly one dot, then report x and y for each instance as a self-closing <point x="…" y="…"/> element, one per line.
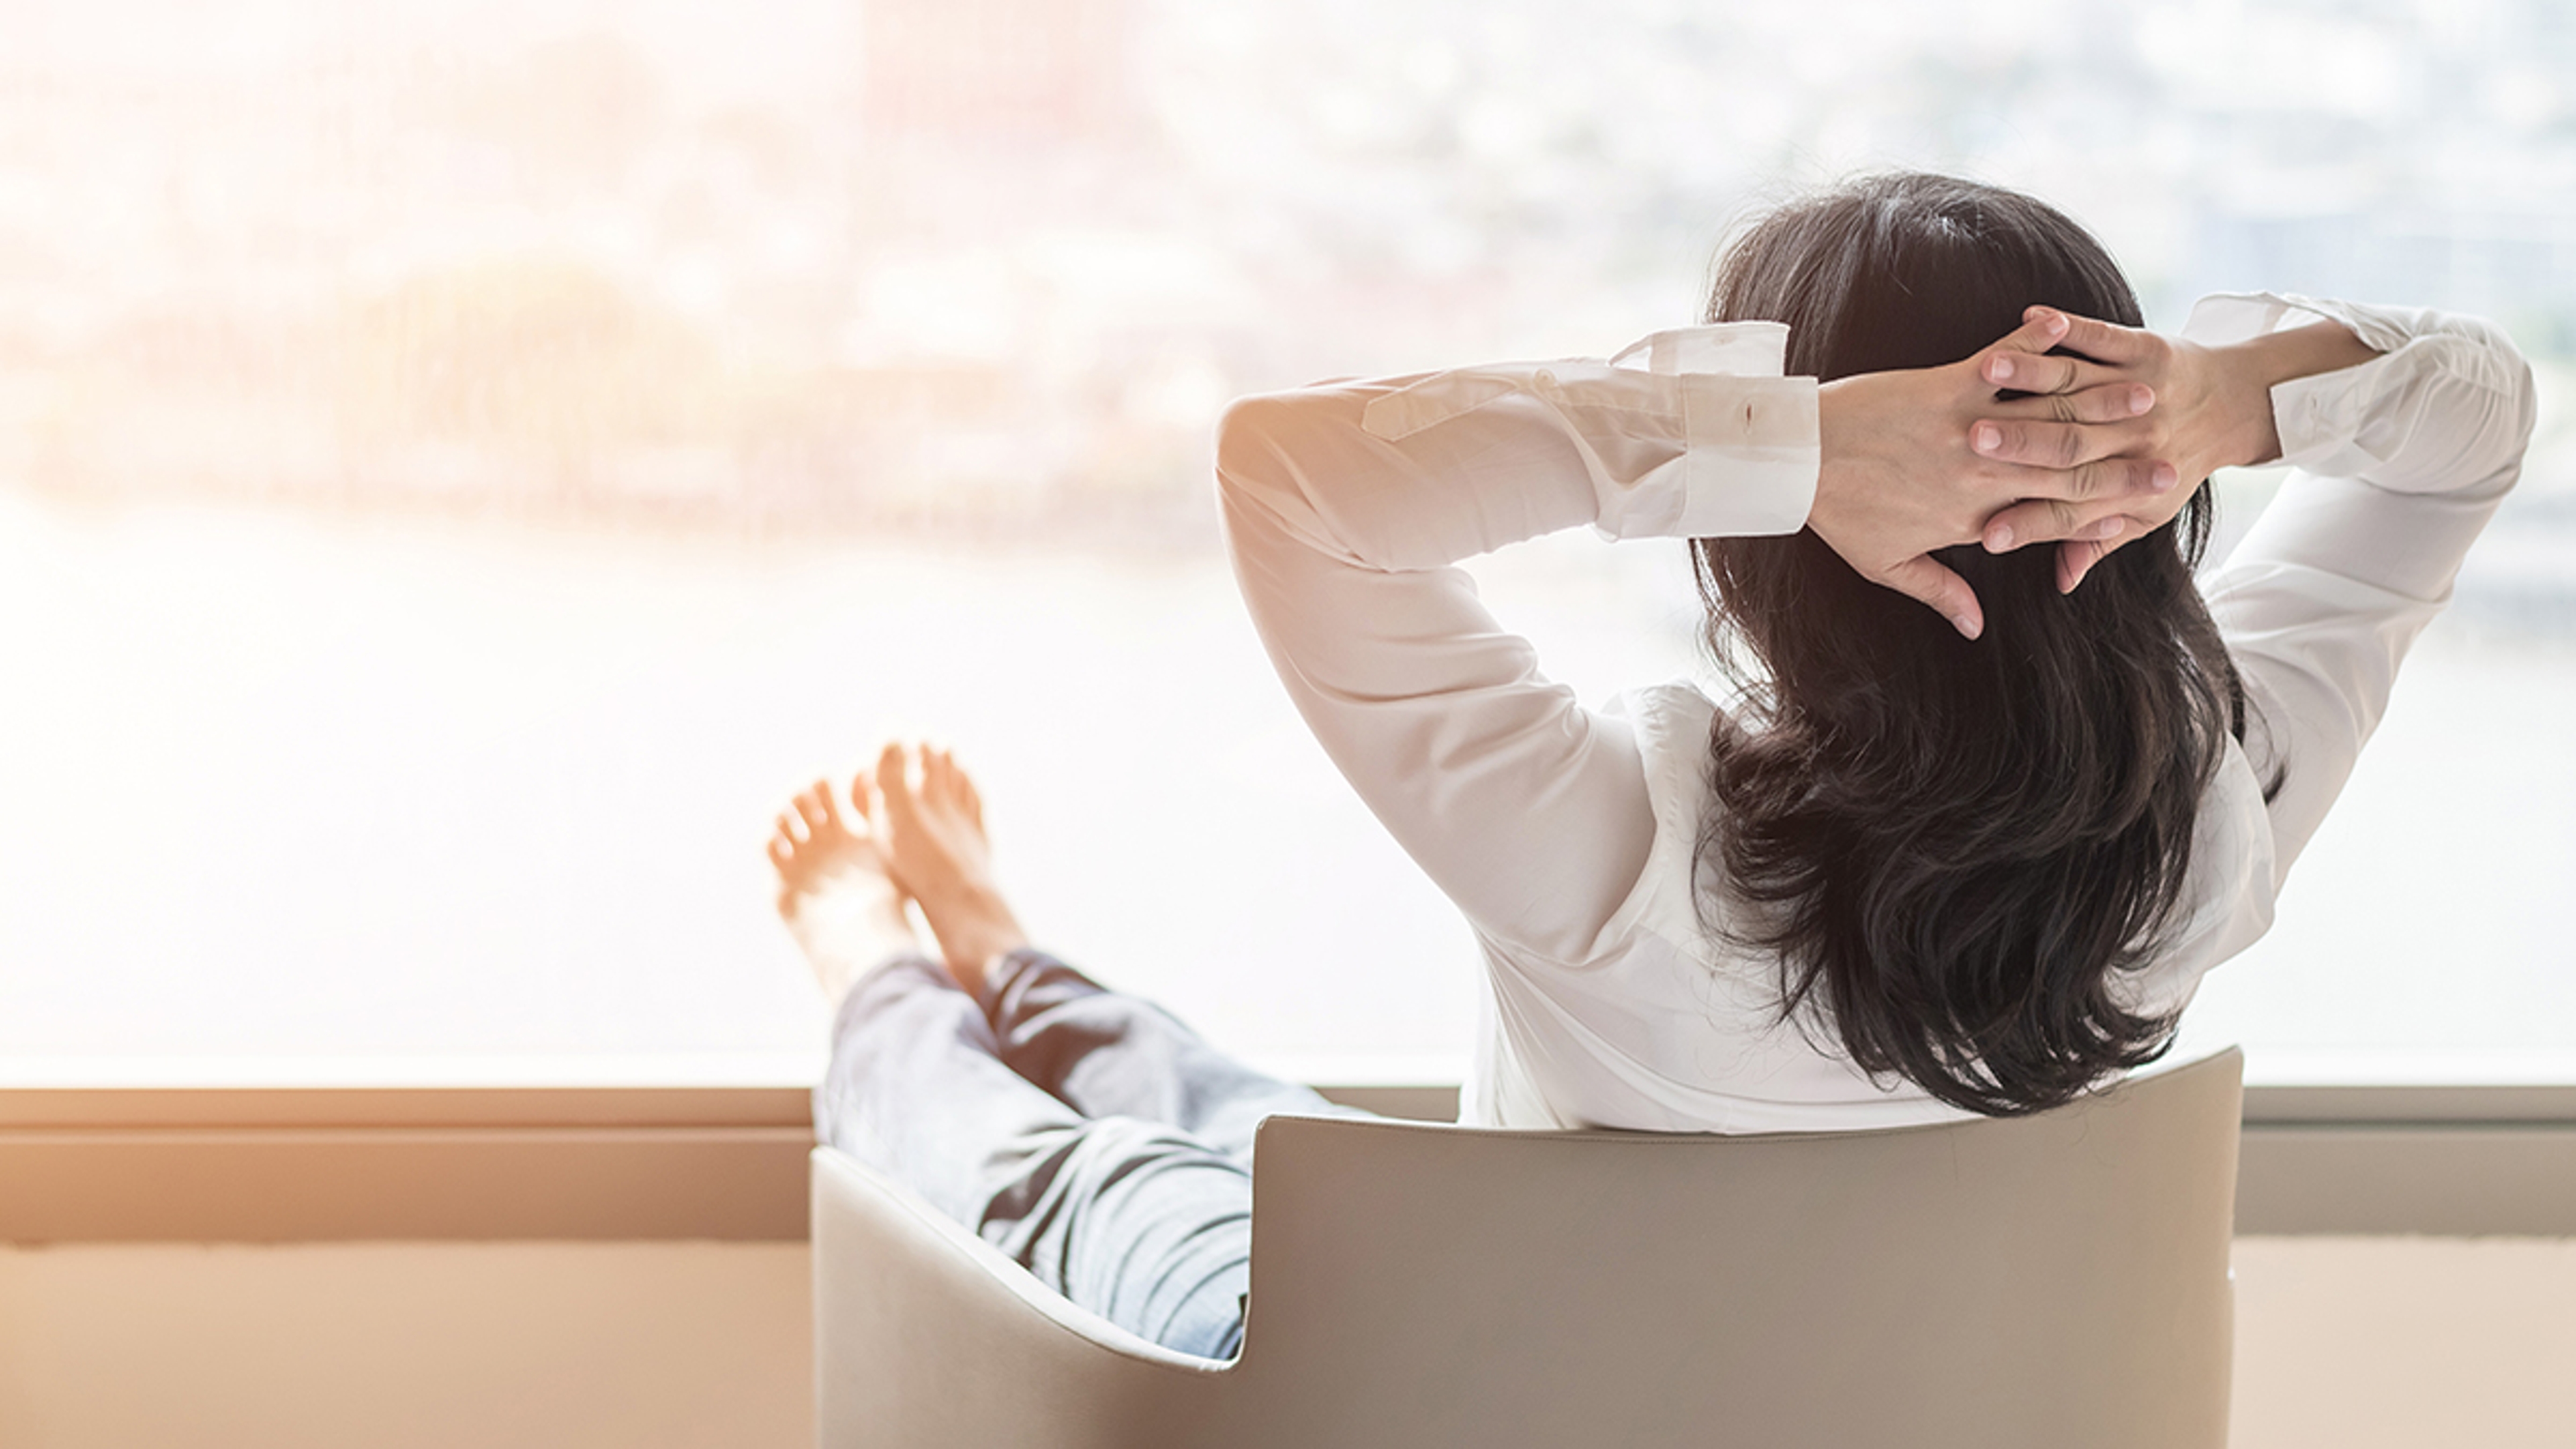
<point x="2048" y="1280"/>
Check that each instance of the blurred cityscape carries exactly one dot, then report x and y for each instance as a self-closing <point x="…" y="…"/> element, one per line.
<point x="996" y="264"/>
<point x="460" y="460"/>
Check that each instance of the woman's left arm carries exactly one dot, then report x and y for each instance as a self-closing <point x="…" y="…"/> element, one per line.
<point x="1345" y="505"/>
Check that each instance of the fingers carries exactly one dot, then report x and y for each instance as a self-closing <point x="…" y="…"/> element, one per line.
<point x="2026" y="372"/>
<point x="2020" y="360"/>
<point x="2049" y="520"/>
<point x="2101" y="402"/>
<point x="2104" y="341"/>
<point x="1928" y="582"/>
<point x="2114" y="487"/>
<point x="2077" y="557"/>
<point x="2041" y="329"/>
<point x="2057" y="445"/>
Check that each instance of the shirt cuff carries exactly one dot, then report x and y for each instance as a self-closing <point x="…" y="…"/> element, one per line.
<point x="2222" y="318"/>
<point x="2319" y="416"/>
<point x="1750" y="449"/>
<point x="1752" y="459"/>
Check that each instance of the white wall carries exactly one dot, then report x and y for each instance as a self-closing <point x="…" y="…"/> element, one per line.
<point x="2342" y="1343"/>
<point x="2376" y="1343"/>
<point x="397" y="1345"/>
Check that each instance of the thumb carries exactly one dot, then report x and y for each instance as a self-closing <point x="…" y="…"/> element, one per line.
<point x="1924" y="579"/>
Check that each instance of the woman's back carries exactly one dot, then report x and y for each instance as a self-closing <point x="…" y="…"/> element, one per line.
<point x="1985" y="916"/>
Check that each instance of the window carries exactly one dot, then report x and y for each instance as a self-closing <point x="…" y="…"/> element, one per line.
<point x="462" y="465"/>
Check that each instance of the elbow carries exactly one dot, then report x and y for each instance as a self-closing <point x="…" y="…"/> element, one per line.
<point x="2500" y="366"/>
<point x="1251" y="452"/>
<point x="2526" y="403"/>
<point x="1259" y="483"/>
<point x="2517" y="407"/>
<point x="2489" y="378"/>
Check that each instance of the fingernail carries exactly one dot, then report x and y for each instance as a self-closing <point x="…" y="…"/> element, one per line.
<point x="2141" y="399"/>
<point x="2107" y="528"/>
<point x="2053" y="321"/>
<point x="2165" y="477"/>
<point x="1966" y="626"/>
<point x="1999" y="538"/>
<point x="1988" y="437"/>
<point x="1999" y="369"/>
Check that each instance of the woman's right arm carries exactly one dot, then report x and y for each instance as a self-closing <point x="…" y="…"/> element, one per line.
<point x="2405" y="429"/>
<point x="2399" y="463"/>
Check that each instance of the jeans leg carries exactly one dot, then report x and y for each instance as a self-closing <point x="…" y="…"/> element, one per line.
<point x="1108" y="1054"/>
<point x="1136" y="1221"/>
<point x="1144" y="1225"/>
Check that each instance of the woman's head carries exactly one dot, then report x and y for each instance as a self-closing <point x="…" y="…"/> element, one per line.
<point x="1954" y="847"/>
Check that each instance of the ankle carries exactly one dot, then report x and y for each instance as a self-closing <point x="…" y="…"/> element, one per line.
<point x="980" y="956"/>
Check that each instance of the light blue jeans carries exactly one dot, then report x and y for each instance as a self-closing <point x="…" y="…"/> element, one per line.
<point x="1090" y="1135"/>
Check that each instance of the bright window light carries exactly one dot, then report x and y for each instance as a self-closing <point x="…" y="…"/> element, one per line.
<point x="463" y="464"/>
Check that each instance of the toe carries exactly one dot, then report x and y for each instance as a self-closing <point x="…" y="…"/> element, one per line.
<point x="788" y="833"/>
<point x="891" y="785"/>
<point x="814" y="811"/>
<point x="822" y="793"/>
<point x="782" y="854"/>
<point x="861" y="787"/>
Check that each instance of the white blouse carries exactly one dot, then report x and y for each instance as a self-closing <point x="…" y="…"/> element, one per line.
<point x="1567" y="835"/>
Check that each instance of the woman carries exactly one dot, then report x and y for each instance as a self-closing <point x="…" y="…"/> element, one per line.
<point x="1966" y="858"/>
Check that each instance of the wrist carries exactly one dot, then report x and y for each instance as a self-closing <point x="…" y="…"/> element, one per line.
<point x="2260" y="364"/>
<point x="1835" y="406"/>
<point x="2246" y="372"/>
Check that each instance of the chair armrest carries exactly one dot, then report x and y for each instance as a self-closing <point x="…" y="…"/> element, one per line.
<point x="910" y="1306"/>
<point x="896" y="1218"/>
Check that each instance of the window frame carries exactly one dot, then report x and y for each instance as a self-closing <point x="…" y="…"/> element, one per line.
<point x="727" y="1162"/>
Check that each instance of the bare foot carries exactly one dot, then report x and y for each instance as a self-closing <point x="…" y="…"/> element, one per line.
<point x="834" y="890"/>
<point x="934" y="834"/>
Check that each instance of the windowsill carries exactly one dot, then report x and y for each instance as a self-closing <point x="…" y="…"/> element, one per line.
<point x="714" y="1147"/>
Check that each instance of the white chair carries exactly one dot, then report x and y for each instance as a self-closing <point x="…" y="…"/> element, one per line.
<point x="2049" y="1281"/>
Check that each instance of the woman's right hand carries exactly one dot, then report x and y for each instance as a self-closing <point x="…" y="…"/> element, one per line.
<point x="2213" y="410"/>
<point x="1899" y="477"/>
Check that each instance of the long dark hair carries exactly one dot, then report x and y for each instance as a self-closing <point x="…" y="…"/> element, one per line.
<point x="1954" y="848"/>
